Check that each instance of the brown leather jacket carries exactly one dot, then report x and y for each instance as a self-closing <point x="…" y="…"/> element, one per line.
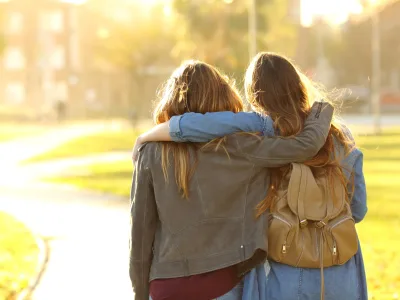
<point x="216" y="227"/>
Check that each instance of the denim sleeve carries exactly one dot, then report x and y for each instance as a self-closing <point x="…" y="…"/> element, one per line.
<point x="196" y="127"/>
<point x="359" y="200"/>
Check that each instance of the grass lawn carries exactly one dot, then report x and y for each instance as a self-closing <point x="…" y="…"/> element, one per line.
<point x="379" y="232"/>
<point x="11" y="131"/>
<point x="18" y="257"/>
<point x="106" y="141"/>
<point x="110" y="177"/>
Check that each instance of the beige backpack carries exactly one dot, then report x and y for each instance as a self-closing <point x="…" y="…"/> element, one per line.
<point x="307" y="227"/>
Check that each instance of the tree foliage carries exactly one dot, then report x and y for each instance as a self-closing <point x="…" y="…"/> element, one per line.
<point x="132" y="40"/>
<point x="217" y="31"/>
<point x="2" y="33"/>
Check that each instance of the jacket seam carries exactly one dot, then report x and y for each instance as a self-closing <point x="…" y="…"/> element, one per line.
<point x="143" y="226"/>
<point x="244" y="209"/>
<point x="300" y="284"/>
<point x="203" y="207"/>
<point x="202" y="257"/>
<point x="201" y="271"/>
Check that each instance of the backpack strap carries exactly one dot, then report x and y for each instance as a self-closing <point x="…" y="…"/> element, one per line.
<point x="299" y="177"/>
<point x="321" y="262"/>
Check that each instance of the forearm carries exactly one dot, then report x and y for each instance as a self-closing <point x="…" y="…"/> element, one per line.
<point x="275" y="152"/>
<point x="159" y="133"/>
<point x="197" y="127"/>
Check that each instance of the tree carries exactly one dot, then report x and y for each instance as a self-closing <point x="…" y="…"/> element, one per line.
<point x="2" y="43"/>
<point x="2" y="34"/>
<point x="350" y="49"/>
<point x="132" y="41"/>
<point x="216" y="31"/>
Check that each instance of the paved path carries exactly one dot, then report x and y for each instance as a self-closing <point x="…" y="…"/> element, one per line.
<point x="87" y="232"/>
<point x="14" y="151"/>
<point x="61" y="167"/>
<point x="365" y="123"/>
<point x="88" y="238"/>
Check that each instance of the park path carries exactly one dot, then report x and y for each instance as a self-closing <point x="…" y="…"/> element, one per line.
<point x="87" y="232"/>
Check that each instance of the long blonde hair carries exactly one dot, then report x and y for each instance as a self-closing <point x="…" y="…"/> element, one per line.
<point x="274" y="86"/>
<point x="193" y="87"/>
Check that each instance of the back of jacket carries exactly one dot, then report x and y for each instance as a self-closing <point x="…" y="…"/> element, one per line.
<point x="216" y="226"/>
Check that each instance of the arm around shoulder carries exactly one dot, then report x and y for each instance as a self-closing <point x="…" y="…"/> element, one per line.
<point x="279" y="151"/>
<point x="197" y="127"/>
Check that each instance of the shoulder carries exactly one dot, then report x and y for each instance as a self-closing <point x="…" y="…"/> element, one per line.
<point x="346" y="131"/>
<point x="347" y="153"/>
<point x="149" y="153"/>
<point x="350" y="142"/>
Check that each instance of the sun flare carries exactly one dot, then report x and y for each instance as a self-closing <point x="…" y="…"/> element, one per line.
<point x="335" y="12"/>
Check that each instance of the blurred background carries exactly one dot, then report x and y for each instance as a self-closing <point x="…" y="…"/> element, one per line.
<point x="104" y="58"/>
<point x="78" y="80"/>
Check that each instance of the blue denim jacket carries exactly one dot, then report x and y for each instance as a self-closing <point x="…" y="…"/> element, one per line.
<point x="283" y="279"/>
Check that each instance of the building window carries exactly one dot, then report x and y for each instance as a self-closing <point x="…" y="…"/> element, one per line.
<point x="15" y="23"/>
<point x="61" y="91"/>
<point x="15" y="92"/>
<point x="14" y="59"/>
<point x="57" y="59"/>
<point x="53" y="21"/>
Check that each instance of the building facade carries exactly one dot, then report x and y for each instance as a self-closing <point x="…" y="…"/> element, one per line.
<point x="40" y="63"/>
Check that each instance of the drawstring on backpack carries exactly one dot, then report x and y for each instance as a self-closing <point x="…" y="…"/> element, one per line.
<point x="320" y="225"/>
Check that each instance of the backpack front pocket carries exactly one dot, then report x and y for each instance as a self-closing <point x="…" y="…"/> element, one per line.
<point x="345" y="241"/>
<point x="278" y="237"/>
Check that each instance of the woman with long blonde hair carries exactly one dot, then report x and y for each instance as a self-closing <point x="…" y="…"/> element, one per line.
<point x="283" y="98"/>
<point x="193" y="230"/>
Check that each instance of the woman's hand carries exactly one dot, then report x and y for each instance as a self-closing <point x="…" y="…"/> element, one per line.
<point x="159" y="133"/>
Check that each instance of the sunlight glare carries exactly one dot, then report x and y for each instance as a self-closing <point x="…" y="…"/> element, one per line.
<point x="77" y="2"/>
<point x="335" y="12"/>
<point x="167" y="10"/>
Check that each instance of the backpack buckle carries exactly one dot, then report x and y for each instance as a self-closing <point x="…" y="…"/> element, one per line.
<point x="303" y="223"/>
<point x="320" y="224"/>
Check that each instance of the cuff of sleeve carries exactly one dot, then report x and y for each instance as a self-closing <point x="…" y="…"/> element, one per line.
<point x="175" y="128"/>
<point x="321" y="108"/>
<point x="268" y="127"/>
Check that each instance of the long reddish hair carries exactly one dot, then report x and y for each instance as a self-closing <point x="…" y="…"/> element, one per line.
<point x="274" y="86"/>
<point x="198" y="87"/>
